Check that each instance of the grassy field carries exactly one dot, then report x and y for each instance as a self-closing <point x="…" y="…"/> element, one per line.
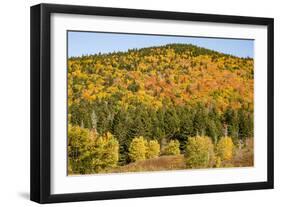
<point x="242" y="158"/>
<point x="172" y="162"/>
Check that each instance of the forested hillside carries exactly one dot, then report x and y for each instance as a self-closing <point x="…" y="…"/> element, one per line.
<point x="162" y="97"/>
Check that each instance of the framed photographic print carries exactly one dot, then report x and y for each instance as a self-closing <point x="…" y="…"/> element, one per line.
<point x="133" y="103"/>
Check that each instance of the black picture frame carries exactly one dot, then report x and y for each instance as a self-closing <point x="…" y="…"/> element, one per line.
<point x="41" y="97"/>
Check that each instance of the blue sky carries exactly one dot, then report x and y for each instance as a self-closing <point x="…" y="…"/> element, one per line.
<point x="86" y="43"/>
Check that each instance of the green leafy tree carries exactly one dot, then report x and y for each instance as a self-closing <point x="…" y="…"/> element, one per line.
<point x="246" y="126"/>
<point x="186" y="125"/>
<point x="172" y="122"/>
<point x="173" y="148"/>
<point x="200" y="120"/>
<point x="231" y="119"/>
<point x="120" y="128"/>
<point x="142" y="123"/>
<point x="158" y="131"/>
<point x="214" y="125"/>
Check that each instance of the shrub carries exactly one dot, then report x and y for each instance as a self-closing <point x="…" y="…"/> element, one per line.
<point x="153" y="149"/>
<point x="137" y="149"/>
<point x="105" y="152"/>
<point x="199" y="152"/>
<point x="244" y="155"/>
<point x="225" y="148"/>
<point x="173" y="148"/>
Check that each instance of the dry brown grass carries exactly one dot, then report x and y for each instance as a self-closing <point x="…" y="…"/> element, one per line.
<point x="172" y="162"/>
<point x="244" y="157"/>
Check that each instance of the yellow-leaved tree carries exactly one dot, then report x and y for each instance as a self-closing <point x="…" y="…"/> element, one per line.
<point x="137" y="149"/>
<point x="199" y="152"/>
<point x="105" y="152"/>
<point x="153" y="149"/>
<point x="89" y="152"/>
<point x="79" y="161"/>
<point x="224" y="148"/>
<point x="173" y="148"/>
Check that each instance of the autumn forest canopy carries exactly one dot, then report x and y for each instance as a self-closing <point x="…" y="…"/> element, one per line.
<point x="152" y="108"/>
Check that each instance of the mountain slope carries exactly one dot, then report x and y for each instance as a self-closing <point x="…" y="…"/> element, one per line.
<point x="168" y="92"/>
